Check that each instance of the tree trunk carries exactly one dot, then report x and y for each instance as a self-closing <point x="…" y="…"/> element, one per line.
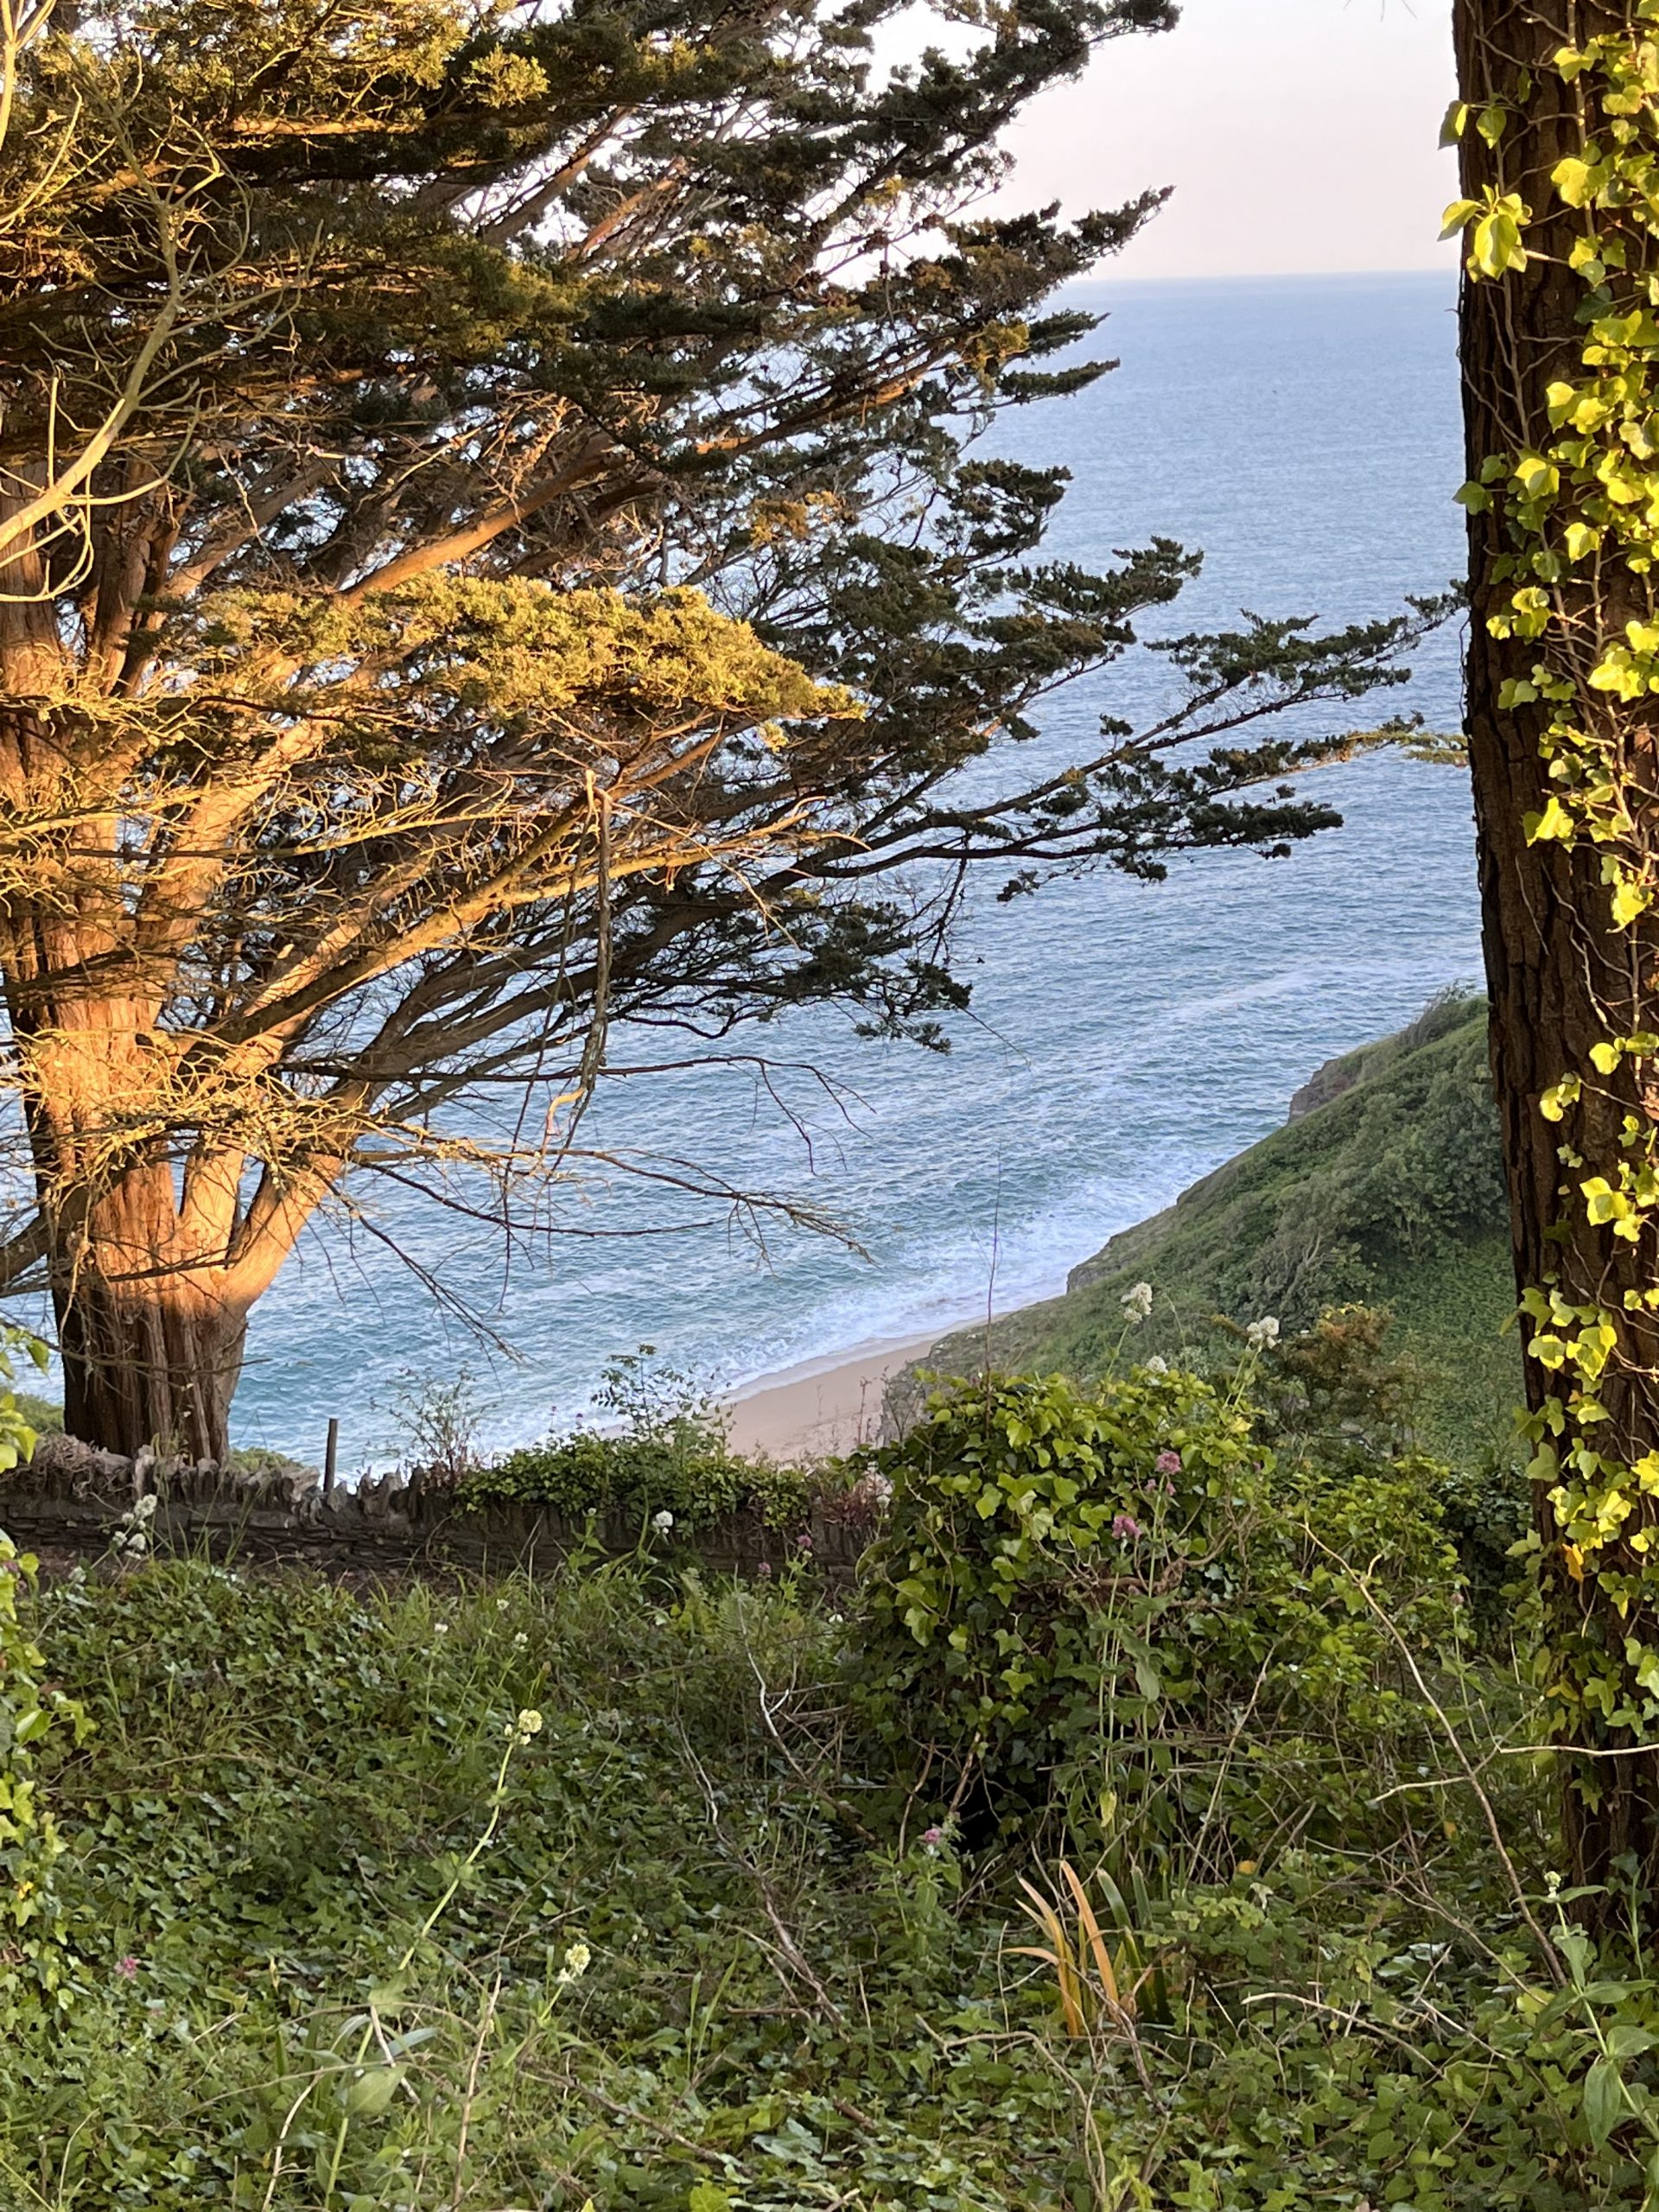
<point x="157" y="1369"/>
<point x="1569" y="978"/>
<point x="151" y="1334"/>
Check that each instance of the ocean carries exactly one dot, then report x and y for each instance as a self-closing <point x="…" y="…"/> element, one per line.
<point x="1123" y="1037"/>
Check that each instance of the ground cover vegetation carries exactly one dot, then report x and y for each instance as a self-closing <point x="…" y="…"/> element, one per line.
<point x="493" y="545"/>
<point x="1153" y="1825"/>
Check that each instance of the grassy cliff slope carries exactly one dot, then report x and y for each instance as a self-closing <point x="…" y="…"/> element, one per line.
<point x="1388" y="1191"/>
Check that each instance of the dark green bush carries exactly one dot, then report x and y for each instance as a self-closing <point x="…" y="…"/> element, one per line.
<point x="1122" y="1601"/>
<point x="695" y="1479"/>
<point x="669" y="1454"/>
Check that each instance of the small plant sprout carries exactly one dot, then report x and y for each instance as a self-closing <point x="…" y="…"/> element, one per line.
<point x="1137" y="1303"/>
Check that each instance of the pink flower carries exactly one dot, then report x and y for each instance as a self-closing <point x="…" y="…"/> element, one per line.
<point x="1168" y="1463"/>
<point x="127" y="1967"/>
<point x="932" y="1838"/>
<point x="803" y="1543"/>
<point x="764" y="1567"/>
<point x="1125" y="1527"/>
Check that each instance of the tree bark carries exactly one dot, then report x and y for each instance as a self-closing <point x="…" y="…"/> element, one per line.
<point x="1562" y="979"/>
<point x="158" y="1368"/>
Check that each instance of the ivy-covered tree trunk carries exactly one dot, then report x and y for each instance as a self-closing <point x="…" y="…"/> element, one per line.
<point x="1560" y="345"/>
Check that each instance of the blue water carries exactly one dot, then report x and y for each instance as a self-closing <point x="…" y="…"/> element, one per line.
<point x="1123" y="1037"/>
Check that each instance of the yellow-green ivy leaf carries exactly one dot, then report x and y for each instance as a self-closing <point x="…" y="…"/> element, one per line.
<point x="1630" y="899"/>
<point x="1571" y="178"/>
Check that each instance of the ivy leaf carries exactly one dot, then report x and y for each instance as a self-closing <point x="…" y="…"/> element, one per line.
<point x="1630" y="901"/>
<point x="1497" y="246"/>
<point x="1571" y="178"/>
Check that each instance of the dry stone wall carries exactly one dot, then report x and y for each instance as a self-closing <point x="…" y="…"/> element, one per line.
<point x="72" y="1499"/>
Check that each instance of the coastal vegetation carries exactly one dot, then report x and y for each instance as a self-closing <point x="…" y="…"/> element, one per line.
<point x="1385" y="1189"/>
<point x="1153" y="1825"/>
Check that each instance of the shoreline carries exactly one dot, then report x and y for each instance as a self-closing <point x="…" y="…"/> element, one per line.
<point x="820" y="1407"/>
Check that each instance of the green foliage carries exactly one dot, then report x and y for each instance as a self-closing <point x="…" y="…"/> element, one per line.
<point x="18" y="1429"/>
<point x="668" y="1454"/>
<point x="34" y="1964"/>
<point x="678" y="1974"/>
<point x="692" y="1476"/>
<point x="1123" y="1599"/>
<point x="1389" y="1190"/>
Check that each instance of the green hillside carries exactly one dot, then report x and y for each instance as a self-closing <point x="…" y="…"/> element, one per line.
<point x="1389" y="1190"/>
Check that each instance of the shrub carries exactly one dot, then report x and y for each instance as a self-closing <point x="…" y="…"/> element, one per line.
<point x="669" y="1455"/>
<point x="31" y="1921"/>
<point x="1122" y="1598"/>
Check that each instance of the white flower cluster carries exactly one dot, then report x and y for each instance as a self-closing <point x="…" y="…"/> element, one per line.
<point x="1137" y="1303"/>
<point x="528" y="1723"/>
<point x="1261" y="1333"/>
<point x="577" y="1960"/>
<point x="133" y="1534"/>
<point x="662" y="1521"/>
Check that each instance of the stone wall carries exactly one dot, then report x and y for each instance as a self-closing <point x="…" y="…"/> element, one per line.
<point x="71" y="1499"/>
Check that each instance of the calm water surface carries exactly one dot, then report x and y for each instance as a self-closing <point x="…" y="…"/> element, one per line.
<point x="1123" y="1039"/>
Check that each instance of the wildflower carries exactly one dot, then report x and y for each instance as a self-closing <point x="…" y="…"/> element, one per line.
<point x="932" y="1838"/>
<point x="1125" y="1527"/>
<point x="764" y="1568"/>
<point x="1168" y="1463"/>
<point x="1261" y="1333"/>
<point x="500" y="1604"/>
<point x="662" y="1521"/>
<point x="1137" y="1302"/>
<point x="1156" y="1365"/>
<point x="440" y="1628"/>
<point x="528" y="1723"/>
<point x="802" y="1543"/>
<point x="577" y="1960"/>
<point x="521" y="1641"/>
<point x="126" y="1967"/>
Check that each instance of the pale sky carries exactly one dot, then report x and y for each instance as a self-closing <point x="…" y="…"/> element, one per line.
<point x="1300" y="135"/>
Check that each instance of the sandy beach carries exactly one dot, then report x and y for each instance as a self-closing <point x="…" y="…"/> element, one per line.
<point x="822" y="1407"/>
